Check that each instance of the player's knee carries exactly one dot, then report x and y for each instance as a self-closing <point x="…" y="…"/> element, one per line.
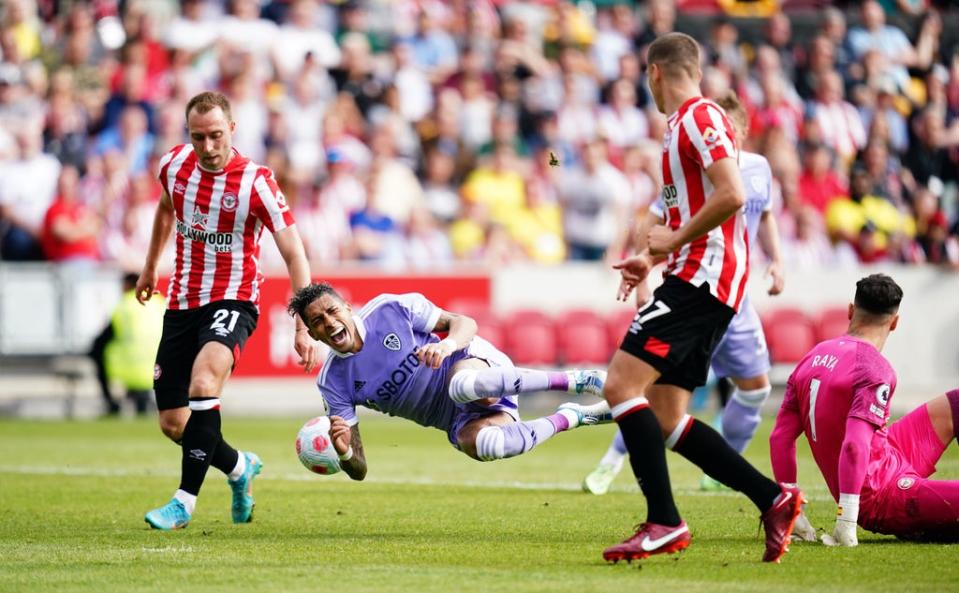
<point x="490" y="443"/>
<point x="172" y="429"/>
<point x="616" y="389"/>
<point x="462" y="387"/>
<point x="204" y="385"/>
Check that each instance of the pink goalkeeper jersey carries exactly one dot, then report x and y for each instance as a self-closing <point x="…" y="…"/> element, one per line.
<point x="840" y="378"/>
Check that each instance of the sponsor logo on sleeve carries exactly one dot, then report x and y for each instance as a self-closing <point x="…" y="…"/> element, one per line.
<point x="905" y="483"/>
<point x="711" y="137"/>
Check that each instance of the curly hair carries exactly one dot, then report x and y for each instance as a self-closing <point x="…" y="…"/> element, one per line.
<point x="306" y="295"/>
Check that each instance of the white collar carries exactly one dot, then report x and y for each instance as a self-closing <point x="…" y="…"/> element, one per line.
<point x="361" y="330"/>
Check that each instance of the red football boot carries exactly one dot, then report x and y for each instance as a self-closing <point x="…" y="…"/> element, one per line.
<point x="649" y="539"/>
<point x="779" y="520"/>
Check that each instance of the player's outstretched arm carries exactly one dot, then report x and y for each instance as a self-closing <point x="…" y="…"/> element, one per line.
<point x="291" y="249"/>
<point x="349" y="446"/>
<point x="853" y="463"/>
<point x="461" y="329"/>
<point x="782" y="440"/>
<point x="727" y="198"/>
<point x="769" y="241"/>
<point x="162" y="227"/>
<point x="782" y="452"/>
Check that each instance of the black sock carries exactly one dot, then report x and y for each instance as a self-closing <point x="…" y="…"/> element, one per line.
<point x="225" y="457"/>
<point x="647" y="456"/>
<point x="200" y="439"/>
<point x="709" y="450"/>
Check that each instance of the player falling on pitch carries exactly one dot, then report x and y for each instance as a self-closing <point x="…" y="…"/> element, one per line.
<point x="839" y="397"/>
<point x="667" y="349"/>
<point x="387" y="358"/>
<point x="741" y="355"/>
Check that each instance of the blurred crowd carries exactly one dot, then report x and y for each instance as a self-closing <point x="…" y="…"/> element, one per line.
<point x="417" y="133"/>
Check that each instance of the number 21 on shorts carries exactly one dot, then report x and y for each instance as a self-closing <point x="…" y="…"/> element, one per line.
<point x="220" y="316"/>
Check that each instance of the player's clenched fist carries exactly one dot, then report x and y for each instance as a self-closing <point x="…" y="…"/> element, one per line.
<point x="661" y="240"/>
<point x="340" y="434"/>
<point x="433" y="355"/>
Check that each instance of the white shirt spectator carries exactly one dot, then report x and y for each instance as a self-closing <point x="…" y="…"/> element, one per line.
<point x="624" y="127"/>
<point x="28" y="187"/>
<point x="256" y="36"/>
<point x="416" y="93"/>
<point x="593" y="204"/>
<point x="295" y="43"/>
<point x="609" y="47"/>
<point x="476" y="117"/>
<point x="191" y="35"/>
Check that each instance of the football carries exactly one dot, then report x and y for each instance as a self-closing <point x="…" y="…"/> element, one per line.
<point x="315" y="449"/>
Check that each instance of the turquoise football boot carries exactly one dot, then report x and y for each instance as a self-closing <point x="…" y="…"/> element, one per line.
<point x="242" y="489"/>
<point x="172" y="515"/>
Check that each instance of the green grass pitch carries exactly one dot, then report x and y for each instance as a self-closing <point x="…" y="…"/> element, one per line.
<point x="73" y="495"/>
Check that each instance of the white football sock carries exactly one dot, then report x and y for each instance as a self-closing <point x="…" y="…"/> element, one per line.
<point x="237" y="472"/>
<point x="613" y="457"/>
<point x="188" y="500"/>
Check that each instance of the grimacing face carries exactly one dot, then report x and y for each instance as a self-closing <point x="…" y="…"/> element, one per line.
<point x="211" y="134"/>
<point x="330" y="320"/>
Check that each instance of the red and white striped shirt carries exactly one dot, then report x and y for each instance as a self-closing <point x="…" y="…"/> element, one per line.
<point x="698" y="135"/>
<point x="219" y="220"/>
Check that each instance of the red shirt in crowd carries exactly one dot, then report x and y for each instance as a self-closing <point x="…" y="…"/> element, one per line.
<point x="819" y="192"/>
<point x="57" y="249"/>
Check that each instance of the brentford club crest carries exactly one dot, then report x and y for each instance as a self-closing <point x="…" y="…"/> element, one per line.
<point x="229" y="202"/>
<point x="392" y="342"/>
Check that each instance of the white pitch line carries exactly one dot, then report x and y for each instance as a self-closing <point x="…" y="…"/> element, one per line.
<point x="818" y="494"/>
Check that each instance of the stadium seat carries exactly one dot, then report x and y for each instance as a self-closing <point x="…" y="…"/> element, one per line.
<point x="831" y="323"/>
<point x="531" y="338"/>
<point x="789" y="334"/>
<point x="490" y="328"/>
<point x="583" y="338"/>
<point x="617" y="323"/>
<point x="470" y="307"/>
